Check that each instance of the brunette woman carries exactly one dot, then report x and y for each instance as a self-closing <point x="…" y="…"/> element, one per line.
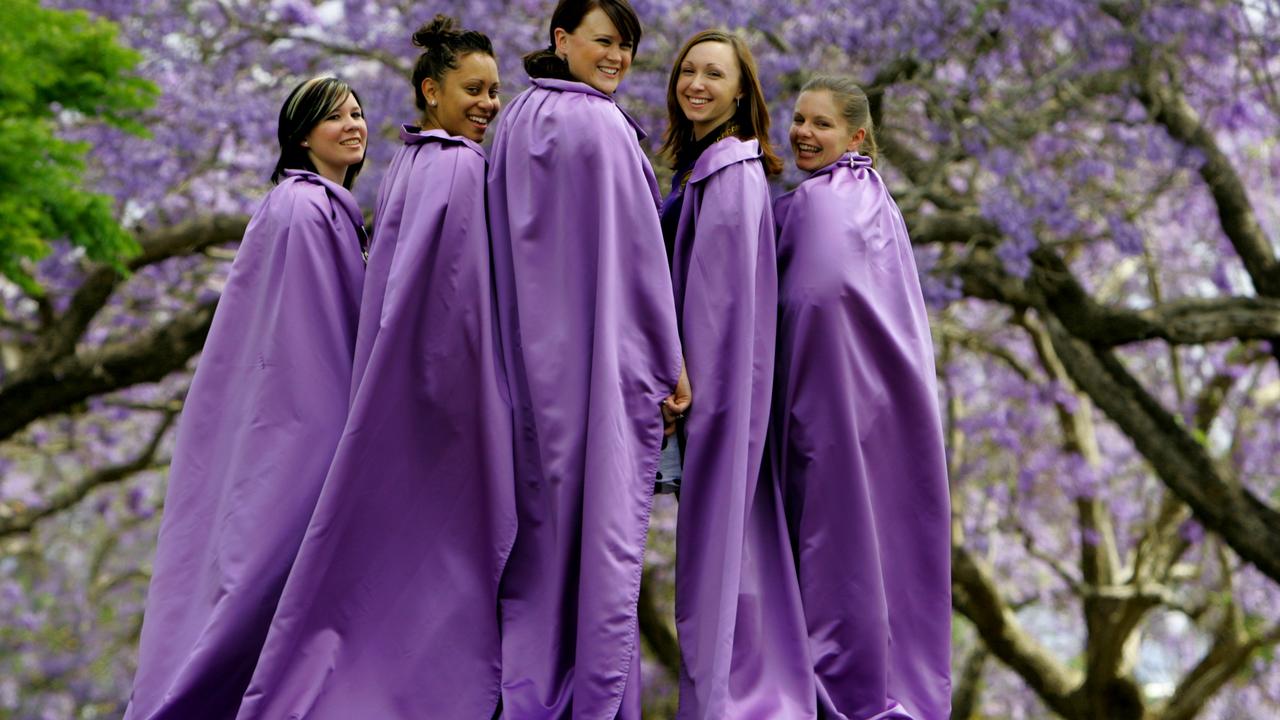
<point x="737" y="610"/>
<point x="392" y="608"/>
<point x="589" y="336"/>
<point x="262" y="418"/>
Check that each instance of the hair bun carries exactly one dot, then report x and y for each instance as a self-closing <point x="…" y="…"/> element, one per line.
<point x="435" y="32"/>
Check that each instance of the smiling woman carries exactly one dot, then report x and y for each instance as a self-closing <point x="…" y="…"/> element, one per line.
<point x="586" y="320"/>
<point x="261" y="421"/>
<point x="742" y="653"/>
<point x="326" y="112"/>
<point x="418" y="502"/>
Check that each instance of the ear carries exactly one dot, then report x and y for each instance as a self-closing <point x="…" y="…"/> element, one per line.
<point x="431" y="91"/>
<point x="856" y="141"/>
<point x="562" y="41"/>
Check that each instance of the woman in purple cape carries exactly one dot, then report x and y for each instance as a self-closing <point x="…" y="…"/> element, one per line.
<point x="591" y="349"/>
<point x="261" y="420"/>
<point x="856" y="438"/>
<point x="391" y="611"/>
<point x="737" y="609"/>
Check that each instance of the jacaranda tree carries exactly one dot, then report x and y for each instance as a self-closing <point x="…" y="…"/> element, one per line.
<point x="1091" y="188"/>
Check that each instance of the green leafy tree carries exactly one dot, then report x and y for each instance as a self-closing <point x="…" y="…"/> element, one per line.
<point x="61" y="69"/>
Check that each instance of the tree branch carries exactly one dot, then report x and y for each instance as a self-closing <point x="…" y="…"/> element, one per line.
<point x="1239" y="222"/>
<point x="61" y="335"/>
<point x="655" y="629"/>
<point x="976" y="596"/>
<point x="1249" y="525"/>
<point x="24" y="520"/>
<point x="37" y="391"/>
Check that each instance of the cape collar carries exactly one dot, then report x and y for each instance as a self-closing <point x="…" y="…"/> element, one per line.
<point x="344" y="198"/>
<point x="585" y="89"/>
<point x="722" y="154"/>
<point x="413" y="135"/>
<point x="847" y="160"/>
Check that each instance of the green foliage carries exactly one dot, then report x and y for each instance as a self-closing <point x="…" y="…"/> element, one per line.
<point x="59" y="68"/>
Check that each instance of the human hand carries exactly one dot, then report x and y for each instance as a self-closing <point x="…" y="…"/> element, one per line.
<point x="677" y="403"/>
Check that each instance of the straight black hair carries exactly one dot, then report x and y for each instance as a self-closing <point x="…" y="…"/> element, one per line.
<point x="568" y="16"/>
<point x="306" y="106"/>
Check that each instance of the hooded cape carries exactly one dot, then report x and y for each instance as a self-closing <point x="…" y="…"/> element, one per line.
<point x="737" y="609"/>
<point x="589" y="333"/>
<point x="391" y="609"/>
<point x="261" y="420"/>
<point x="856" y="444"/>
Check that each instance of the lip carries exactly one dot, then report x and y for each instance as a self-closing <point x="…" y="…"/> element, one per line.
<point x="697" y="102"/>
<point x="807" y="149"/>
<point x="348" y="143"/>
<point x="609" y="72"/>
<point x="480" y="121"/>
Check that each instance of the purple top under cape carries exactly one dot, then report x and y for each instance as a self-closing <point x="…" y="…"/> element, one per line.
<point x="391" y="609"/>
<point x="737" y="605"/>
<point x="856" y="445"/>
<point x="589" y="332"/>
<point x="260" y="424"/>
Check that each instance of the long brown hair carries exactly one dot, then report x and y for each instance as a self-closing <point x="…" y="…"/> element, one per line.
<point x="751" y="117"/>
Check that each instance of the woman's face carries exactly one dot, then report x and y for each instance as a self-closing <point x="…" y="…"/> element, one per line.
<point x="338" y="141"/>
<point x="465" y="100"/>
<point x="596" y="53"/>
<point x="819" y="133"/>
<point x="709" y="85"/>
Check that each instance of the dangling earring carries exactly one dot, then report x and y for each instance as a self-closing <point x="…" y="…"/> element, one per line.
<point x="737" y="102"/>
<point x="432" y="103"/>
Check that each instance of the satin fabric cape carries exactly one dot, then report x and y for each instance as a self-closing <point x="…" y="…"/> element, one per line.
<point x="737" y="608"/>
<point x="857" y="447"/>
<point x="591" y="351"/>
<point x="391" y="609"/>
<point x="259" y="427"/>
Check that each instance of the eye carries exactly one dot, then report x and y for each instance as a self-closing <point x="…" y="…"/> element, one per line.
<point x="357" y="115"/>
<point x="627" y="46"/>
<point x="686" y="71"/>
<point x="797" y="120"/>
<point x="494" y="92"/>
<point x="332" y="116"/>
<point x="473" y="89"/>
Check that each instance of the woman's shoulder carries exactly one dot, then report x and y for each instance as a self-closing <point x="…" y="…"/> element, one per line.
<point x="304" y="195"/>
<point x="578" y="108"/>
<point x="731" y="155"/>
<point x="467" y="150"/>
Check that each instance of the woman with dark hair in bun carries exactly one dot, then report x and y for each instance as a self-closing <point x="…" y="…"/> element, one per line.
<point x="392" y="608"/>
<point x="593" y="359"/>
<point x="261" y="420"/>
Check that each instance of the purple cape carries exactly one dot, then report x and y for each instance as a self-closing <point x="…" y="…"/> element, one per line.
<point x="856" y="445"/>
<point x="391" y="611"/>
<point x="589" y="333"/>
<point x="737" y="605"/>
<point x="260" y="424"/>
